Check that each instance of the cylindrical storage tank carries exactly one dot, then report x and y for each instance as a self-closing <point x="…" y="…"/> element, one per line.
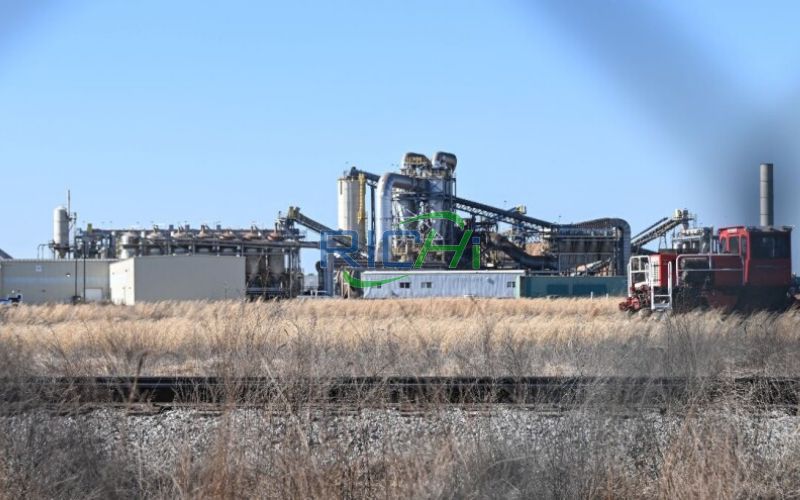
<point x="276" y="263"/>
<point x="60" y="231"/>
<point x="348" y="204"/>
<point x="254" y="268"/>
<point x="443" y="188"/>
<point x="129" y="244"/>
<point x="440" y="199"/>
<point x="767" y="197"/>
<point x="152" y="248"/>
<point x="154" y="243"/>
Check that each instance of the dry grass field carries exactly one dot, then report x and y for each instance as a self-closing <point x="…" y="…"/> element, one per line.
<point x="404" y="337"/>
<point x="700" y="449"/>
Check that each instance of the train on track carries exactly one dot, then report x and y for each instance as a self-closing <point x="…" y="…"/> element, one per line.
<point x="741" y="268"/>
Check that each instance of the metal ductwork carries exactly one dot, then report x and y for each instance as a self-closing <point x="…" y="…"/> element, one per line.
<point x="415" y="164"/>
<point x="383" y="209"/>
<point x="624" y="243"/>
<point x="445" y="161"/>
<point x="767" y="211"/>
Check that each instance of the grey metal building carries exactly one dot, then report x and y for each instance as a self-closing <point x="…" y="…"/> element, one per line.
<point x="167" y="277"/>
<point x="55" y="281"/>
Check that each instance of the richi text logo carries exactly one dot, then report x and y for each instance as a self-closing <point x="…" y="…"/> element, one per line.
<point x="347" y="246"/>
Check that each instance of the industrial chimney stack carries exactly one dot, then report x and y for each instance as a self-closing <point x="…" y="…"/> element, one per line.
<point x="767" y="198"/>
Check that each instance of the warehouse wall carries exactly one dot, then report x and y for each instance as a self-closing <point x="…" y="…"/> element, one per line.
<point x="188" y="277"/>
<point x="54" y="281"/>
<point x="443" y="284"/>
<point x="571" y="286"/>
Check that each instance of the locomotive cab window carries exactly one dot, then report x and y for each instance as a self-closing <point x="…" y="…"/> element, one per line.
<point x="770" y="246"/>
<point x="733" y="244"/>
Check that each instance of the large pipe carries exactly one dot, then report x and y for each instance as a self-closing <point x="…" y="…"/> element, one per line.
<point x="767" y="196"/>
<point x="383" y="210"/>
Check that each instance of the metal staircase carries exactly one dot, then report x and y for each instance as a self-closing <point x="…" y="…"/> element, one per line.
<point x="660" y="302"/>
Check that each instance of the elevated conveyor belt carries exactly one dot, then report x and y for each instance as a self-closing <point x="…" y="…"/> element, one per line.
<point x="661" y="228"/>
<point x="501" y="214"/>
<point x="294" y="214"/>
<point x="524" y="259"/>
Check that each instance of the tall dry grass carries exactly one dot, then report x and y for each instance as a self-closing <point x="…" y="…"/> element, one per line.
<point x="404" y="337"/>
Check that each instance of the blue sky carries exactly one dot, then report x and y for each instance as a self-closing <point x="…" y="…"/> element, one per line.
<point x="166" y="112"/>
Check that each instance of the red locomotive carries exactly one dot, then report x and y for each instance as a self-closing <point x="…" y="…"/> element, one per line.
<point x="742" y="268"/>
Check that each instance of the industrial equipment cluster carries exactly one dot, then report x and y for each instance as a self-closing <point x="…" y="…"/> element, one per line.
<point x="508" y="254"/>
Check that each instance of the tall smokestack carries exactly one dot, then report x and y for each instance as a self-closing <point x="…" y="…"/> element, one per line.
<point x="767" y="198"/>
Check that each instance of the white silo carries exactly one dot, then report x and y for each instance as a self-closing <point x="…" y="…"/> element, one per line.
<point x="60" y="231"/>
<point x="351" y="216"/>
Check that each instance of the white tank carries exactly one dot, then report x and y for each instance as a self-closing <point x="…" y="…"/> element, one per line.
<point x="128" y="245"/>
<point x="349" y="200"/>
<point x="60" y="227"/>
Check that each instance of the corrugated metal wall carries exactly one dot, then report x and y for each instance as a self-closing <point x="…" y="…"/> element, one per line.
<point x="42" y="281"/>
<point x="571" y="286"/>
<point x="442" y="284"/>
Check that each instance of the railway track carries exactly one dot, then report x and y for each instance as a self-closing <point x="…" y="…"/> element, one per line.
<point x="404" y="391"/>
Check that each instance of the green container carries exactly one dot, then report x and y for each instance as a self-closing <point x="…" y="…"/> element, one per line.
<point x="571" y="286"/>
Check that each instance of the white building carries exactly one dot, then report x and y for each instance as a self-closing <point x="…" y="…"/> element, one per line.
<point x="441" y="283"/>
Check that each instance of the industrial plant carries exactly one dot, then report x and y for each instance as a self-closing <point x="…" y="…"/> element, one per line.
<point x="399" y="234"/>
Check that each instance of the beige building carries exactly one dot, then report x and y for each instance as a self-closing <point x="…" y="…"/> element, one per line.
<point x="168" y="277"/>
